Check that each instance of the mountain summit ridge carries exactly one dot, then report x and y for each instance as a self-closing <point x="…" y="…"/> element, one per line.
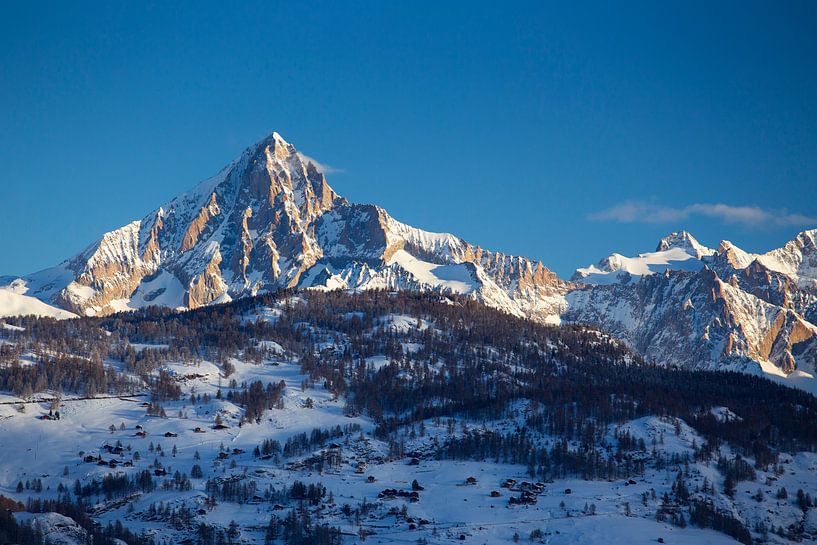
<point x="698" y="308"/>
<point x="270" y="220"/>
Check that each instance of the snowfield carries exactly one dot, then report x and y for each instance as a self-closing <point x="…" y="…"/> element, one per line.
<point x="36" y="448"/>
<point x="167" y="465"/>
<point x="13" y="303"/>
<point x="53" y="451"/>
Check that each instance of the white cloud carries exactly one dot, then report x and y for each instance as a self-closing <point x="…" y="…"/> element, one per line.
<point x="322" y="167"/>
<point x="647" y="212"/>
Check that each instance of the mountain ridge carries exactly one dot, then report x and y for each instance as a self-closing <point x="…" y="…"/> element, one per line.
<point x="270" y="220"/>
<point x="699" y="308"/>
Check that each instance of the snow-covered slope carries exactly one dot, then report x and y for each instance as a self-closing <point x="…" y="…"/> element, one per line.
<point x="269" y="220"/>
<point x="207" y="463"/>
<point x="678" y="251"/>
<point x="691" y="306"/>
<point x="14" y="302"/>
<point x="55" y="529"/>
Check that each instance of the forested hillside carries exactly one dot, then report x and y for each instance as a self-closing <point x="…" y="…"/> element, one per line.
<point x="254" y="396"/>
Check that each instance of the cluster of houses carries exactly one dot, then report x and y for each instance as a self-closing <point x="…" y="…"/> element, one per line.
<point x="528" y="491"/>
<point x="113" y="450"/>
<point x="392" y="493"/>
<point x="142" y="432"/>
<point x="223" y="455"/>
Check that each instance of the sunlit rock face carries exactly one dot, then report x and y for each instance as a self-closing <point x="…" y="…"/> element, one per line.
<point x="270" y="220"/>
<point x="691" y="306"/>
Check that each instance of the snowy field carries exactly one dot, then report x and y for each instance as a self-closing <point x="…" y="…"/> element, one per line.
<point x="449" y="510"/>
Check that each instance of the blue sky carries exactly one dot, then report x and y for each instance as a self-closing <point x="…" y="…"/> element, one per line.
<point x="558" y="133"/>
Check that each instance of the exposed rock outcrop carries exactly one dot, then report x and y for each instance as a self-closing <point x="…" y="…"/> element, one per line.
<point x="270" y="220"/>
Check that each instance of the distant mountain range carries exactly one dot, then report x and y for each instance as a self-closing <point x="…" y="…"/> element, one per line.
<point x="270" y="220"/>
<point x="692" y="306"/>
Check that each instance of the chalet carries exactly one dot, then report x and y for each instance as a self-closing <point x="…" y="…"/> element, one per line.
<point x="237" y="451"/>
<point x="139" y="427"/>
<point x="160" y="472"/>
<point x="509" y="483"/>
<point x="221" y="427"/>
<point x="141" y="433"/>
<point x="495" y="493"/>
<point x="199" y="430"/>
<point x="471" y="480"/>
<point x="171" y="434"/>
<point x="90" y="459"/>
<point x="128" y="463"/>
<point x="568" y="491"/>
<point x="414" y="462"/>
<point x="370" y="479"/>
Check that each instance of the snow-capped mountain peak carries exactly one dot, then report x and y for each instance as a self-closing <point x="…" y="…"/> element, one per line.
<point x="710" y="308"/>
<point x="270" y="220"/>
<point x="734" y="256"/>
<point x="683" y="240"/>
<point x="676" y="251"/>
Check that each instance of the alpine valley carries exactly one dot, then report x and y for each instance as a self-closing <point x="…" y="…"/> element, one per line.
<point x="261" y="361"/>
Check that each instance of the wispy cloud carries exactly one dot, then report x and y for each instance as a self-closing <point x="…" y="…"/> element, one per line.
<point x="648" y="212"/>
<point x="322" y="167"/>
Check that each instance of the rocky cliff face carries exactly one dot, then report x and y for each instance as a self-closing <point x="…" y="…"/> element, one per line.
<point x="270" y="220"/>
<point x="694" y="307"/>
